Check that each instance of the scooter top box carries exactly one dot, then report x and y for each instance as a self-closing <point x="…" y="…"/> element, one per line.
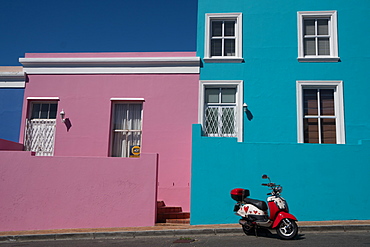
<point x="239" y="194"/>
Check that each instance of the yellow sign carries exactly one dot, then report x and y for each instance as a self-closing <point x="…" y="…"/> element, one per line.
<point x="135" y="151"/>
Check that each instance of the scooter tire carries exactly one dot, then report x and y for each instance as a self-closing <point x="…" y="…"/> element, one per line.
<point x="248" y="230"/>
<point x="287" y="229"/>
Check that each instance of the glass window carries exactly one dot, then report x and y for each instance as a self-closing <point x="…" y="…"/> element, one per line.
<point x="317" y="36"/>
<point x="44" y="110"/>
<point x="321" y="117"/>
<point x="223" y="37"/>
<point x="126" y="129"/>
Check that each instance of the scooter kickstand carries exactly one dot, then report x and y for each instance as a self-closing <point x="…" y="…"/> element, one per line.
<point x="255" y="231"/>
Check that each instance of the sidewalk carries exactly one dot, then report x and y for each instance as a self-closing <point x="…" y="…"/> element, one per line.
<point x="170" y="230"/>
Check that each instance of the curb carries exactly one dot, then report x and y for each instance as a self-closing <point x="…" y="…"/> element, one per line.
<point x="172" y="232"/>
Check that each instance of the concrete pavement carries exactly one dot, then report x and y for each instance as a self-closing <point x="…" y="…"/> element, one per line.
<point x="170" y="230"/>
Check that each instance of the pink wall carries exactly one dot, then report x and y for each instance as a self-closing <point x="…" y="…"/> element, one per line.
<point x="169" y="110"/>
<point x="76" y="192"/>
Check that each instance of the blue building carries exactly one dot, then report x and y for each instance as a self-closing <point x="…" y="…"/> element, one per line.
<point x="283" y="91"/>
<point x="12" y="83"/>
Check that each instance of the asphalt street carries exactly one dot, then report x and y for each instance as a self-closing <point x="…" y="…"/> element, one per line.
<point x="355" y="238"/>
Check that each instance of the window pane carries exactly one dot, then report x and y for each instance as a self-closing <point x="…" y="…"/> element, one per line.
<point x="324" y="48"/>
<point x="310" y="102"/>
<point x="120" y="119"/>
<point x="229" y="28"/>
<point x="229" y="47"/>
<point x="35" y="111"/>
<point x="322" y="27"/>
<point x="119" y="148"/>
<point x="228" y="95"/>
<point x="216" y="28"/>
<point x="328" y="131"/>
<point x="44" y="111"/>
<point x="212" y="95"/>
<point x="311" y="132"/>
<point x="53" y="111"/>
<point x="327" y="102"/>
<point x="216" y="47"/>
<point x="309" y="27"/>
<point x="228" y="120"/>
<point x="309" y="47"/>
<point x="134" y="117"/>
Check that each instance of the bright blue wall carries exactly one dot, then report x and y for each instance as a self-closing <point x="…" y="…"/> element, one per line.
<point x="332" y="177"/>
<point x="11" y="100"/>
<point x="271" y="69"/>
<point x="320" y="182"/>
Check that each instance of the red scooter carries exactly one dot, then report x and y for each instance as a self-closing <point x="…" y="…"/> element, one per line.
<point x="254" y="212"/>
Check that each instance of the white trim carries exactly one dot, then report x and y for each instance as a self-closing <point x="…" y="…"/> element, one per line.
<point x="42" y="98"/>
<point x="238" y="58"/>
<point x="127" y="99"/>
<point x="338" y="101"/>
<point x="332" y="15"/>
<point x="12" y="84"/>
<point x="12" y="77"/>
<point x="238" y="84"/>
<point x="111" y="65"/>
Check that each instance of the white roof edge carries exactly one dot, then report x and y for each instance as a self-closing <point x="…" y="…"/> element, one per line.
<point x="42" y="98"/>
<point x="107" y="60"/>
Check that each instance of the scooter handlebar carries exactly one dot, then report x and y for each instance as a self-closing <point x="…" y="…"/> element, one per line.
<point x="265" y="184"/>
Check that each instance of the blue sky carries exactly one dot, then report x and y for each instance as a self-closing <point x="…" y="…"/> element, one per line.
<point x="39" y="26"/>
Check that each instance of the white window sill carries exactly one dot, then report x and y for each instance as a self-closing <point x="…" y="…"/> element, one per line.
<point x="223" y="59"/>
<point x="319" y="59"/>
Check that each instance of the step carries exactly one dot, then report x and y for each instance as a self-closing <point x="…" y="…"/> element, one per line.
<point x="175" y="215"/>
<point x="178" y="221"/>
<point x="163" y="210"/>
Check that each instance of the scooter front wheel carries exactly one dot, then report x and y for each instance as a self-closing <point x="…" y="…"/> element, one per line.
<point x="287" y="229"/>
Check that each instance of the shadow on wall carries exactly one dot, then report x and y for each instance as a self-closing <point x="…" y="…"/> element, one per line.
<point x="249" y="114"/>
<point x="68" y="124"/>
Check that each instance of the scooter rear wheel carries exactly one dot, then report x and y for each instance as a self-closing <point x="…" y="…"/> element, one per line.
<point x="287" y="229"/>
<point x="248" y="230"/>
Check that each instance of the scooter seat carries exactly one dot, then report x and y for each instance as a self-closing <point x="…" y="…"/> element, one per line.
<point x="259" y="204"/>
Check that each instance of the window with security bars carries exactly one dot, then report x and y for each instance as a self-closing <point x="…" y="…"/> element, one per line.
<point x="319" y="116"/>
<point x="40" y="128"/>
<point x="220" y="114"/>
<point x="317" y="36"/>
<point x="126" y="129"/>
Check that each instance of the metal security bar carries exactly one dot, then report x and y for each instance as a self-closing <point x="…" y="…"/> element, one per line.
<point x="39" y="136"/>
<point x="220" y="121"/>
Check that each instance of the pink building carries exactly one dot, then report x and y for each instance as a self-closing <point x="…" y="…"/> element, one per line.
<point x="118" y="129"/>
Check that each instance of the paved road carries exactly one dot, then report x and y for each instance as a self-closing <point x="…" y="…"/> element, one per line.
<point x="309" y="239"/>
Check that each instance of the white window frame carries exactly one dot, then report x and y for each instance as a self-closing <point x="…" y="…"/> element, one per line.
<point x="238" y="38"/>
<point x="338" y="105"/>
<point x="238" y="85"/>
<point x="333" y="40"/>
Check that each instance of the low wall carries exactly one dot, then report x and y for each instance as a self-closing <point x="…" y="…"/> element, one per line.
<point x="320" y="181"/>
<point x="76" y="192"/>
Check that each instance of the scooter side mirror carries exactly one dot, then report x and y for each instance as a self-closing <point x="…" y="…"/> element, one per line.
<point x="265" y="176"/>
